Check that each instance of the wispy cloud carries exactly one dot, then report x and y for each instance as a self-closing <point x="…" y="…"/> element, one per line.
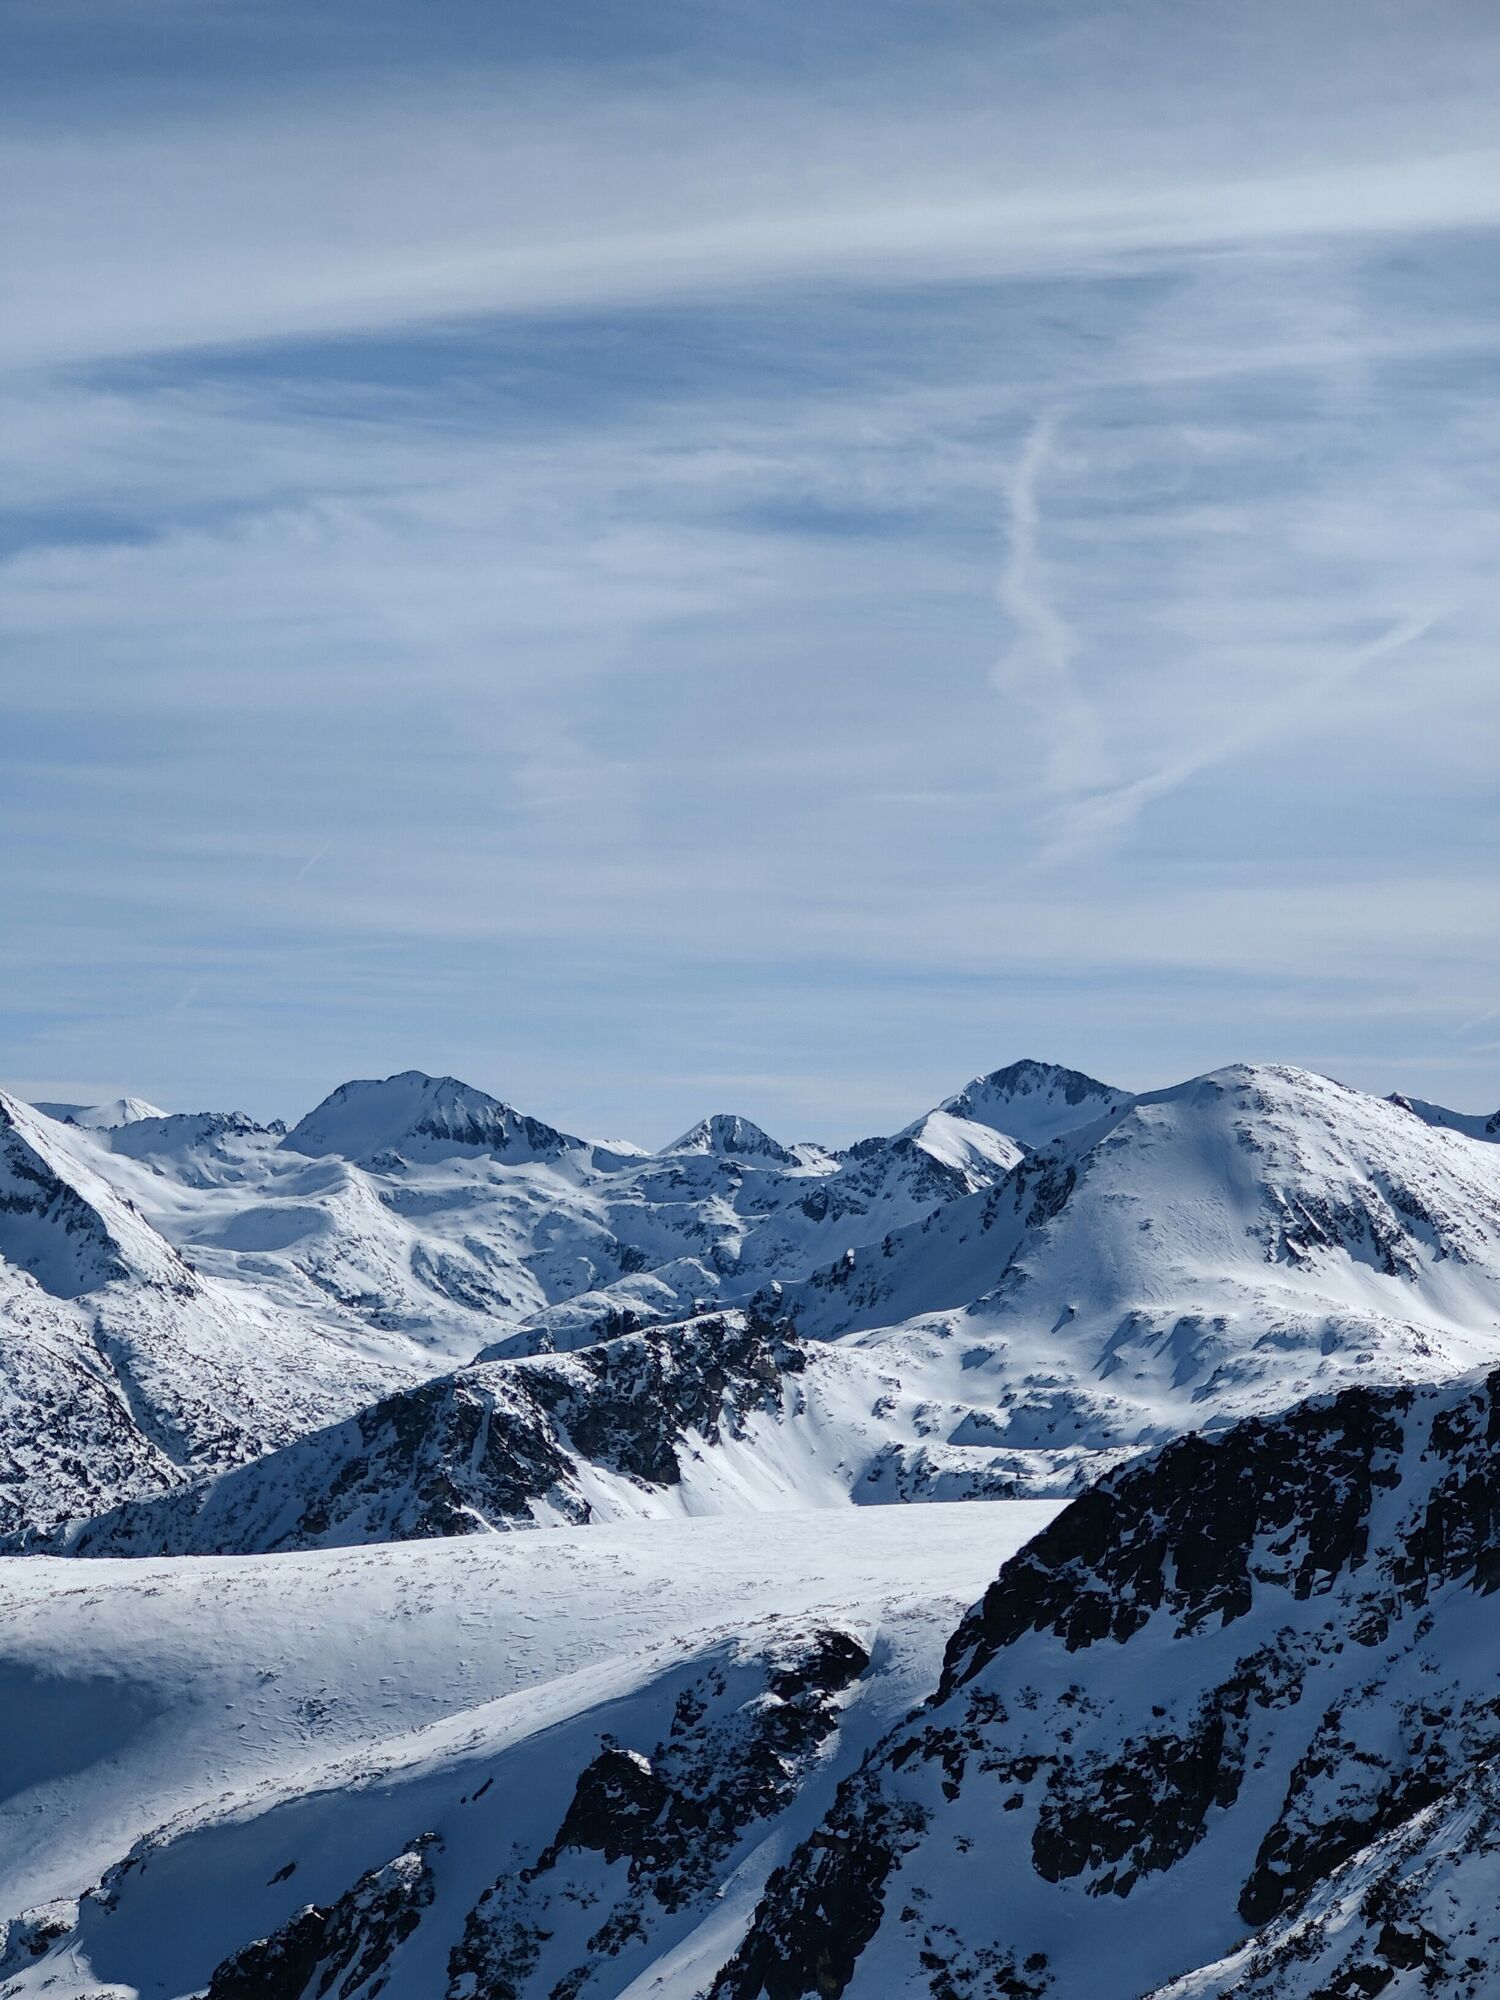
<point x="502" y="570"/>
<point x="537" y="189"/>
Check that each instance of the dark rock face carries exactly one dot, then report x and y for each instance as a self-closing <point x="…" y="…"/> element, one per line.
<point x="1236" y="1647"/>
<point x="1147" y="1809"/>
<point x="826" y="1904"/>
<point x="344" y="1949"/>
<point x="472" y="1450"/>
<point x="1181" y="1532"/>
<point x="1420" y="1901"/>
<point x="627" y="1403"/>
<point x="649" y="1834"/>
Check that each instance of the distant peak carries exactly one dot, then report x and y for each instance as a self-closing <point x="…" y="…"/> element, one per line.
<point x="102" y="1117"/>
<point x="412" y="1110"/>
<point x="1035" y="1102"/>
<point x="732" y="1137"/>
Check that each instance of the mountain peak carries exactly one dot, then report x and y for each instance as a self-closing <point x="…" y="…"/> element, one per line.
<point x="412" y="1110"/>
<point x="732" y="1137"/>
<point x="1035" y="1102"/>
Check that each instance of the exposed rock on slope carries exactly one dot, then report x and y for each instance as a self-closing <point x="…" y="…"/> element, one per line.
<point x="1416" y="1913"/>
<point x="497" y="1446"/>
<point x="648" y="1830"/>
<point x="122" y="1370"/>
<point x="611" y="1735"/>
<point x="731" y="1413"/>
<point x="1210" y="1684"/>
<point x="63" y="1225"/>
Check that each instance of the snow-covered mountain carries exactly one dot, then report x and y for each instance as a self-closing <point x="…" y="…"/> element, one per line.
<point x="123" y="1370"/>
<point x="109" y="1117"/>
<point x="1226" y="1726"/>
<point x="415" y="1116"/>
<point x="1033" y="1103"/>
<point x="1197" y="1254"/>
<point x="729" y="1414"/>
<point x="1235" y="1709"/>
<point x="443" y="1221"/>
<point x="1229" y="1245"/>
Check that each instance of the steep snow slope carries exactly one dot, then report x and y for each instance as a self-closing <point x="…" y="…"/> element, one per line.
<point x="60" y="1221"/>
<point x="121" y="1369"/>
<point x="1229" y="1245"/>
<point x="1213" y="1683"/>
<point x="1417" y="1912"/>
<point x="289" y="1724"/>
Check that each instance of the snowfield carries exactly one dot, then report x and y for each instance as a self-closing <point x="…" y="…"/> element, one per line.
<point x="323" y="1709"/>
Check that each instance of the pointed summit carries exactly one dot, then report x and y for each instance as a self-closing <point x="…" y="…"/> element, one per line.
<point x="1035" y="1102"/>
<point x="733" y="1138"/>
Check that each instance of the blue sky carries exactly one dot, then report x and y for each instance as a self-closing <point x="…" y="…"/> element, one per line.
<point x="747" y="556"/>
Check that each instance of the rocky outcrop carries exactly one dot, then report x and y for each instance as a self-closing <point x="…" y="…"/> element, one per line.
<point x="1274" y="1645"/>
<point x="650" y="1833"/>
<point x="343" y="1949"/>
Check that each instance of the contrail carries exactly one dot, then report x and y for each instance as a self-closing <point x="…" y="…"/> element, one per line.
<point x="1037" y="670"/>
<point x="312" y="860"/>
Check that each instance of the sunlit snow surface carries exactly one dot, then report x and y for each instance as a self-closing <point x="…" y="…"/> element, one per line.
<point x="324" y="1709"/>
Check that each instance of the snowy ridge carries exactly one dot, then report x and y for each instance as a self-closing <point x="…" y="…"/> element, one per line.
<point x="61" y="1222"/>
<point x="1473" y="1124"/>
<point x="730" y="1414"/>
<point x="102" y="1117"/>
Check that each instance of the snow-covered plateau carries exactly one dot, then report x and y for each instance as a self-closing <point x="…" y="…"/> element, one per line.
<point x="449" y="1558"/>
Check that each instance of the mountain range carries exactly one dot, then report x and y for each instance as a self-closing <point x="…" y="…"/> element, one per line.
<point x="1175" y="1681"/>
